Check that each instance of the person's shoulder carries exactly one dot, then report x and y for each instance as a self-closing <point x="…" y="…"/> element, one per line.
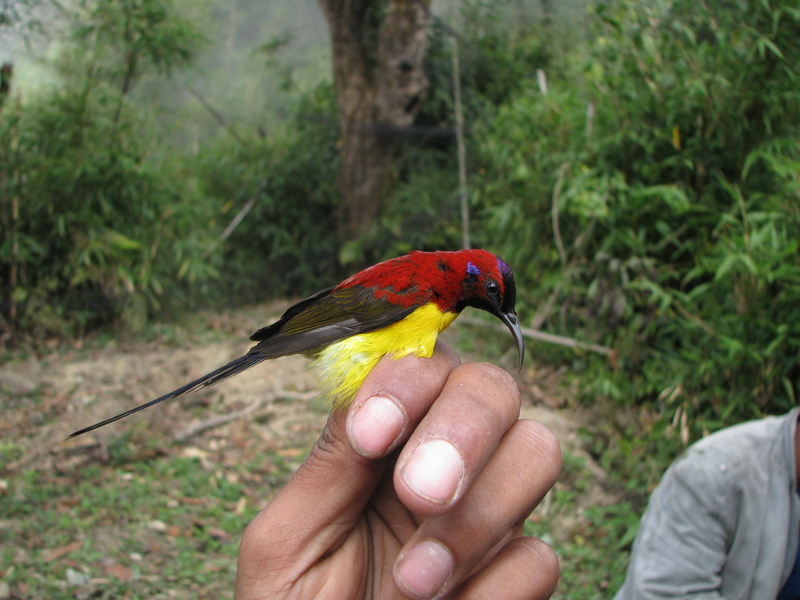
<point x="733" y="452"/>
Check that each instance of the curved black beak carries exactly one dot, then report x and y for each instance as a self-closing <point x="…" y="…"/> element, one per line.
<point x="510" y="319"/>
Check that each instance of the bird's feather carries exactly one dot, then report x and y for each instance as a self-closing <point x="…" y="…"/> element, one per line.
<point x="346" y="363"/>
<point x="397" y="307"/>
<point x="306" y="327"/>
<point x="234" y="367"/>
<point x="329" y="316"/>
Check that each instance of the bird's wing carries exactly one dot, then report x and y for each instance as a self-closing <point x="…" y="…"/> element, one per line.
<point x="291" y="312"/>
<point x="330" y="316"/>
<point x="232" y="368"/>
<point x="313" y="323"/>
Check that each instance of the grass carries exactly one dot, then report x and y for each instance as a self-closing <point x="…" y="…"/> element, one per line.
<point x="590" y="531"/>
<point x="127" y="515"/>
<point x="168" y="527"/>
<point x="163" y="528"/>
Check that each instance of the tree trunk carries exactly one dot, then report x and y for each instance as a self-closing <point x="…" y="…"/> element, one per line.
<point x="6" y="72"/>
<point x="378" y="49"/>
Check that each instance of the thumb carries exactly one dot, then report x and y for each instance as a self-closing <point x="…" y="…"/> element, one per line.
<point x="326" y="496"/>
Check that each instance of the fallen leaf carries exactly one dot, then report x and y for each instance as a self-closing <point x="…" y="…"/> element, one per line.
<point x="241" y="504"/>
<point x="56" y="553"/>
<point x="173" y="531"/>
<point x="157" y="525"/>
<point x="218" y="534"/>
<point x="291" y="452"/>
<point x="190" y="500"/>
<point x="194" y="452"/>
<point x="119" y="571"/>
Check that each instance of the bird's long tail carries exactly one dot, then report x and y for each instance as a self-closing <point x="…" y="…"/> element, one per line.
<point x="232" y="368"/>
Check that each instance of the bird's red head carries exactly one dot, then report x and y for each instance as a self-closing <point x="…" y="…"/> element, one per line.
<point x="486" y="282"/>
<point x="451" y="280"/>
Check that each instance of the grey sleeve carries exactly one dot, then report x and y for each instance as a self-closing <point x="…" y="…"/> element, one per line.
<point x="681" y="546"/>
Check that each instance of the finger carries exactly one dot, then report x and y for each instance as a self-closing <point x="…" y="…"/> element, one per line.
<point x="526" y="568"/>
<point x="456" y="438"/>
<point x="447" y="548"/>
<point x="392" y="400"/>
<point x="332" y="486"/>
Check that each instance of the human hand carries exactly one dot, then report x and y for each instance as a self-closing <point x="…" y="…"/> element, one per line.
<point x="445" y="519"/>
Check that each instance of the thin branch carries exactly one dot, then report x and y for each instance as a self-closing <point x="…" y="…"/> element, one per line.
<point x="462" y="150"/>
<point x="218" y="116"/>
<point x="550" y="338"/>
<point x="231" y="226"/>
<point x="554" y="212"/>
<point x="590" y="110"/>
<point x="542" y="78"/>
<point x="544" y="309"/>
<point x="218" y="420"/>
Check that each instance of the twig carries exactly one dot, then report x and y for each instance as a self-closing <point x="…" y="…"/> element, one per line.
<point x="231" y="226"/>
<point x="218" y="116"/>
<point x="540" y="75"/>
<point x="462" y="151"/>
<point x="562" y="255"/>
<point x="217" y="420"/>
<point x="544" y="310"/>
<point x="546" y="337"/>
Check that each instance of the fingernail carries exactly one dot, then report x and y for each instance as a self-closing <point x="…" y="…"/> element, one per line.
<point x="425" y="568"/>
<point x="375" y="426"/>
<point x="434" y="471"/>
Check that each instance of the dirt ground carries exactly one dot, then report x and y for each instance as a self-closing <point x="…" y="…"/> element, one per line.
<point x="271" y="406"/>
<point x="82" y="386"/>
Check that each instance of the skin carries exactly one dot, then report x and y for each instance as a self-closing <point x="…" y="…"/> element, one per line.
<point x="440" y="517"/>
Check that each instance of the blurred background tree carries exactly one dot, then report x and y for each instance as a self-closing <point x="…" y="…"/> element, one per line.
<point x="660" y="198"/>
<point x="89" y="216"/>
<point x="378" y="51"/>
<point x="635" y="161"/>
<point x="638" y="164"/>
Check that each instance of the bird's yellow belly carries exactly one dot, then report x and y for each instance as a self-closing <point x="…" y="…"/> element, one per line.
<point x="345" y="364"/>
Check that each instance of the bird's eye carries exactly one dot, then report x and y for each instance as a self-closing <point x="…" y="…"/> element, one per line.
<point x="492" y="288"/>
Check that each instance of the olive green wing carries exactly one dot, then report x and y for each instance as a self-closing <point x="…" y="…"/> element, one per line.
<point x="332" y="315"/>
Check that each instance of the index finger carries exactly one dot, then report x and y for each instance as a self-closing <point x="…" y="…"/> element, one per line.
<point x="450" y="447"/>
<point x="394" y="398"/>
<point x="336" y="471"/>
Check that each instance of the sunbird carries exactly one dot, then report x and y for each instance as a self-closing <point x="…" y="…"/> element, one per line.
<point x="397" y="307"/>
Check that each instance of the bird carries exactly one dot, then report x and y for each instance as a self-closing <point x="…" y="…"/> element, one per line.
<point x="396" y="307"/>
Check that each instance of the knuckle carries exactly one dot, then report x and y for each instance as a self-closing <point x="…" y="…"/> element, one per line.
<point x="545" y="445"/>
<point x="545" y="559"/>
<point x="496" y="376"/>
<point x="489" y="381"/>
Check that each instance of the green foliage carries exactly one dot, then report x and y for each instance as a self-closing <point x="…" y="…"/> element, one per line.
<point x="21" y="13"/>
<point x="91" y="221"/>
<point x="126" y="37"/>
<point x="115" y="515"/>
<point x="131" y="239"/>
<point x="423" y="210"/>
<point x="596" y="559"/>
<point x="286" y="244"/>
<point x="589" y="532"/>
<point x="658" y="209"/>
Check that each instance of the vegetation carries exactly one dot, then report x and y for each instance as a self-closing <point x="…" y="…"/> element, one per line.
<point x="137" y="517"/>
<point x="666" y="225"/>
<point x="92" y="221"/>
<point x="648" y="197"/>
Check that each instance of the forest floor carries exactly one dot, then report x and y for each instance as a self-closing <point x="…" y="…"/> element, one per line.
<point x="152" y="506"/>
